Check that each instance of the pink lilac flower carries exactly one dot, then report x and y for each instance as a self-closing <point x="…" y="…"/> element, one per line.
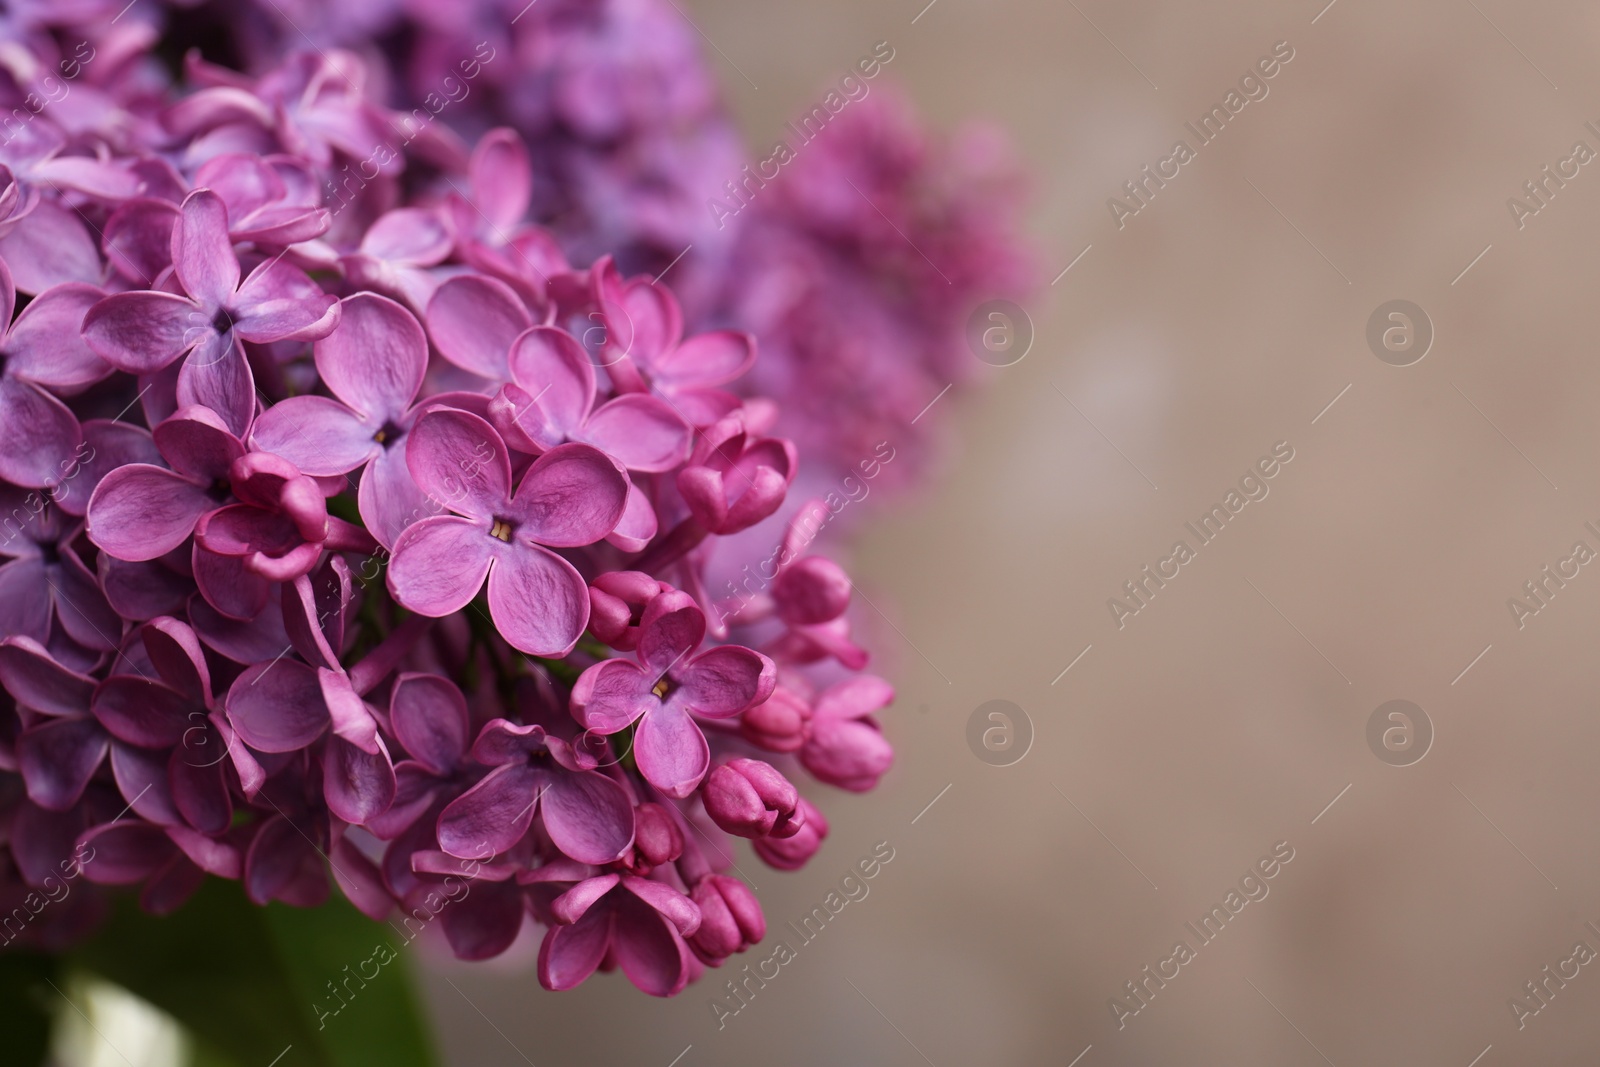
<point x="143" y="332"/>
<point x="667" y="687"/>
<point x="572" y="495"/>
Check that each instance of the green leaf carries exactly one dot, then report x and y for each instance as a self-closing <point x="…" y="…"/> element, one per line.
<point x="27" y="1004"/>
<point x="249" y="981"/>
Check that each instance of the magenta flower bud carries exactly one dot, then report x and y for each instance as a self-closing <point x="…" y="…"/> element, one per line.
<point x="845" y="747"/>
<point x="779" y="725"/>
<point x="656" y="837"/>
<point x="752" y="799"/>
<point x="810" y="591"/>
<point x="730" y="919"/>
<point x="791" y="853"/>
<point x="617" y="600"/>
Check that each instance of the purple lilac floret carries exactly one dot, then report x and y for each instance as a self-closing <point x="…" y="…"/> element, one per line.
<point x="353" y="540"/>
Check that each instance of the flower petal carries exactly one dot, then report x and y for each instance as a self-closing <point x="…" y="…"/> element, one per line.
<point x="375" y="359"/>
<point x="279" y="302"/>
<point x="46" y="342"/>
<point x="142" y="712"/>
<point x="587" y="815"/>
<point x="37" y="681"/>
<point x="572" y="495"/>
<point x="217" y="376"/>
<point x="473" y="320"/>
<point x="650" y="950"/>
<point x="429" y="716"/>
<point x="142" y="332"/>
<point x="612" y="695"/>
<point x="278" y="706"/>
<point x="492" y="815"/>
<point x="725" y="680"/>
<point x="551" y="365"/>
<point x="671" y="751"/>
<point x="641" y="432"/>
<point x="320" y="436"/>
<point x="570" y="954"/>
<point x="538" y="600"/>
<point x="57" y="757"/>
<point x="439" y="565"/>
<point x="358" y="786"/>
<point x="51" y="246"/>
<point x="459" y="460"/>
<point x="202" y="255"/>
<point x="38" y="435"/>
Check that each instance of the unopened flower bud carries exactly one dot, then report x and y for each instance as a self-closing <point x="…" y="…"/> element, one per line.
<point x="791" y="853"/>
<point x="730" y="919"/>
<point x="752" y="799"/>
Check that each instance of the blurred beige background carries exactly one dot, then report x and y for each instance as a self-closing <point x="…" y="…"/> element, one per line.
<point x="1227" y="715"/>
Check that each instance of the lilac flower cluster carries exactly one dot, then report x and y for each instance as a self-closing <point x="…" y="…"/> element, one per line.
<point x="857" y="265"/>
<point x="358" y="539"/>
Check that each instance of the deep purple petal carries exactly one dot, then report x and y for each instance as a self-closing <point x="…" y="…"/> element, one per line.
<point x="57" y="757"/>
<point x="429" y="716"/>
<point x="278" y="706"/>
<point x="570" y="954"/>
<point x="229" y="585"/>
<point x="46" y="343"/>
<point x="37" y="681"/>
<point x="143" y="712"/>
<point x="358" y="786"/>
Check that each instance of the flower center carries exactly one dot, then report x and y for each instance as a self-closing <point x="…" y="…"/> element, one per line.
<point x="222" y="322"/>
<point x="386" y="434"/>
<point x="502" y="529"/>
<point x="663" y="688"/>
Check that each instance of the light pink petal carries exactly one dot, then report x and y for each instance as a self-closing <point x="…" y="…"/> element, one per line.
<point x="202" y="255"/>
<point x="671" y="751"/>
<point x="439" y="565"/>
<point x="572" y="495"/>
<point x="854" y="697"/>
<point x="278" y="706"/>
<point x="320" y="436"/>
<point x="51" y="246"/>
<point x="142" y="332"/>
<point x="502" y="177"/>
<point x="641" y="432"/>
<point x="539" y="601"/>
<point x="140" y="512"/>
<point x="492" y="815"/>
<point x="410" y="235"/>
<point x="725" y="680"/>
<point x="473" y="320"/>
<point x="459" y="460"/>
<point x="706" y="359"/>
<point x="46" y="342"/>
<point x="587" y="815"/>
<point x="552" y="366"/>
<point x="638" y="525"/>
<point x="278" y="302"/>
<point x="39" y="435"/>
<point x="375" y="359"/>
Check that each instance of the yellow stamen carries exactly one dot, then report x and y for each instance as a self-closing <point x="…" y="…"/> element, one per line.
<point x="501" y="529"/>
<point x="660" y="689"/>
